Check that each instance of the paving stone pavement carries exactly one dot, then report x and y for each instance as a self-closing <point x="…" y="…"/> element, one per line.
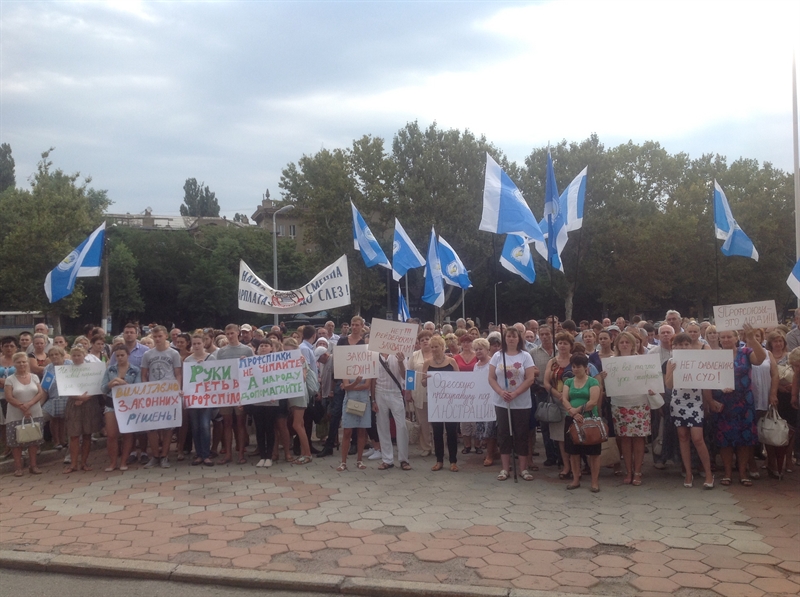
<point x="461" y="528"/>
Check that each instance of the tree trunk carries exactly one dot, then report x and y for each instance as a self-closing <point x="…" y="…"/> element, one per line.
<point x="568" y="303"/>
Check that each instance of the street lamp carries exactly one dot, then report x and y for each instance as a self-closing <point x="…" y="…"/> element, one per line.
<point x="495" y="303"/>
<point x="275" y="249"/>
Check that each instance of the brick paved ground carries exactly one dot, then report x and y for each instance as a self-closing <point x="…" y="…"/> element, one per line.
<point x="461" y="528"/>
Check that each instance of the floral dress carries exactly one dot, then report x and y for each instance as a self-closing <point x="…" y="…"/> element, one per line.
<point x="736" y="424"/>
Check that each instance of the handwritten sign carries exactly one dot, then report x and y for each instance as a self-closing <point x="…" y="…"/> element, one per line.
<point x="211" y="384"/>
<point x="733" y="317"/>
<point x="628" y="376"/>
<point x="350" y="362"/>
<point x="148" y="406"/>
<point x="391" y="337"/>
<point x="703" y="369"/>
<point x="76" y="380"/>
<point x="270" y="377"/>
<point x="460" y="397"/>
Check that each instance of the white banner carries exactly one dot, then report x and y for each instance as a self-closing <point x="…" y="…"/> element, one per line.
<point x="147" y="406"/>
<point x="391" y="337"/>
<point x="350" y="362"/>
<point x="703" y="369"/>
<point x="270" y="377"/>
<point x="211" y="384"/>
<point x="456" y="397"/>
<point x="329" y="289"/>
<point x="76" y="380"/>
<point x="733" y="317"/>
<point x="628" y="376"/>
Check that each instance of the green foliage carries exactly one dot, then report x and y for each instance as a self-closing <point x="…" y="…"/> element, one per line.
<point x="124" y="294"/>
<point x="198" y="200"/>
<point x="8" y="177"/>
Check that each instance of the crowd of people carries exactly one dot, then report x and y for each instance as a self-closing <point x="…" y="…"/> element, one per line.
<point x="528" y="365"/>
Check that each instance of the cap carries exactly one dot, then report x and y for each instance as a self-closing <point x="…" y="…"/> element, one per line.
<point x="246" y="327"/>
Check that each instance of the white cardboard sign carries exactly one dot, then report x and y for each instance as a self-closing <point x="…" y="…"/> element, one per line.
<point x="148" y="406"/>
<point x="76" y="380"/>
<point x="391" y="337"/>
<point x="628" y="376"/>
<point x="350" y="362"/>
<point x="703" y="369"/>
<point x="733" y="317"/>
<point x="460" y="397"/>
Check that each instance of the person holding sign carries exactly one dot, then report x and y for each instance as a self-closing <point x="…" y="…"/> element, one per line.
<point x="359" y="391"/>
<point x="82" y="419"/>
<point x="56" y="404"/>
<point x="441" y="362"/>
<point x="581" y="394"/>
<point x="119" y="374"/>
<point x="389" y="398"/>
<point x="200" y="418"/>
<point x="686" y="408"/>
<point x="511" y="375"/>
<point x="735" y="422"/>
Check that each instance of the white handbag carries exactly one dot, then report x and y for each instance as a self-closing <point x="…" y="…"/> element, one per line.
<point x="772" y="429"/>
<point x="655" y="401"/>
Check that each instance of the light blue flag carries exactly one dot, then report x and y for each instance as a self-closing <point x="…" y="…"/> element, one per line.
<point x="402" y="307"/>
<point x="434" y="286"/>
<point x="572" y="200"/>
<point x="504" y="208"/>
<point x="794" y="279"/>
<point x="453" y="270"/>
<point x="556" y="226"/>
<point x="551" y="204"/>
<point x="411" y="379"/>
<point x="517" y="258"/>
<point x="405" y="255"/>
<point x="726" y="228"/>
<point x="364" y="241"/>
<point x="83" y="262"/>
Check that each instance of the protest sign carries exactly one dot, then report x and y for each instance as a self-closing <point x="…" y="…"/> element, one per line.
<point x="330" y="288"/>
<point x="148" y="406"/>
<point x="76" y="380"/>
<point x="733" y="317"/>
<point x="350" y="362"/>
<point x="460" y="397"/>
<point x="211" y="384"/>
<point x="391" y="337"/>
<point x="703" y="369"/>
<point x="270" y="377"/>
<point x="628" y="376"/>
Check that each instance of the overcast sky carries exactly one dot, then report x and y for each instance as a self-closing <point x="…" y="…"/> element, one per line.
<point x="143" y="95"/>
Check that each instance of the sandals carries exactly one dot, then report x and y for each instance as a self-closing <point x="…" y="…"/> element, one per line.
<point x="571" y="487"/>
<point x="725" y="481"/>
<point x="405" y="466"/>
<point x="18" y="472"/>
<point x="86" y="468"/>
<point x="709" y="485"/>
<point x="437" y="467"/>
<point x="466" y="450"/>
<point x="746" y="482"/>
<point x="563" y="476"/>
<point x="123" y="468"/>
<point x="242" y="460"/>
<point x="224" y="461"/>
<point x="302" y="460"/>
<point x="488" y="461"/>
<point x="197" y="462"/>
<point x="385" y="466"/>
<point x="526" y="475"/>
<point x="690" y="483"/>
<point x="478" y="450"/>
<point x="72" y="469"/>
<point x="208" y="462"/>
<point x="341" y="468"/>
<point x="361" y="466"/>
<point x="503" y="475"/>
<point x="637" y="479"/>
<point x="109" y="469"/>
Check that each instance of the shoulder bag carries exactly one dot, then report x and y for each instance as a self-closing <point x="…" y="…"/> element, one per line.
<point x="772" y="429"/>
<point x="591" y="432"/>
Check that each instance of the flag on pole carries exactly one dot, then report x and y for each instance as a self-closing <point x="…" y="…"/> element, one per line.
<point x="83" y="262"/>
<point x="405" y="255"/>
<point x="516" y="257"/>
<point x="556" y="226"/>
<point x="727" y="229"/>
<point x="572" y="200"/>
<point x="364" y="241"/>
<point x="794" y="279"/>
<point x="551" y="205"/>
<point x="402" y="307"/>
<point x="434" y="286"/>
<point x="504" y="208"/>
<point x="453" y="270"/>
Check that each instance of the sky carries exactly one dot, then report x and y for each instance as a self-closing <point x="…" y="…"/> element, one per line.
<point x="143" y="95"/>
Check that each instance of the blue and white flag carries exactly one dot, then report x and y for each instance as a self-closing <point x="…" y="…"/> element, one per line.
<point x="402" y="307"/>
<point x="504" y="208"/>
<point x="434" y="285"/>
<point x="453" y="270"/>
<point x="405" y="255"/>
<point x="517" y="258"/>
<point x="83" y="262"/>
<point x="572" y="200"/>
<point x="364" y="241"/>
<point x="726" y="228"/>
<point x="794" y="279"/>
<point x="551" y="205"/>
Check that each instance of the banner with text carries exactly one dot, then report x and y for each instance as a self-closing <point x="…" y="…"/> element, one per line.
<point x="211" y="384"/>
<point x="460" y="397"/>
<point x="627" y="376"/>
<point x="703" y="369"/>
<point x="391" y="337"/>
<point x="330" y="288"/>
<point x="732" y="317"/>
<point x="270" y="377"/>
<point x="148" y="406"/>
<point x="350" y="362"/>
<point x="76" y="380"/>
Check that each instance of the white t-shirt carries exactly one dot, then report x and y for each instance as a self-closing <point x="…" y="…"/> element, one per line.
<point x="515" y="374"/>
<point x="161" y="364"/>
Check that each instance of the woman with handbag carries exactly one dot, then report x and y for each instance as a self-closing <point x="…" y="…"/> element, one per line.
<point x="580" y="396"/>
<point x="776" y="455"/>
<point x="735" y="422"/>
<point x="558" y="369"/>
<point x="631" y="415"/>
<point x="24" y="418"/>
<point x="356" y="414"/>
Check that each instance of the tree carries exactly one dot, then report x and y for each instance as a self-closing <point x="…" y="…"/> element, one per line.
<point x="8" y="177"/>
<point x="124" y="295"/>
<point x="241" y="218"/>
<point x="198" y="200"/>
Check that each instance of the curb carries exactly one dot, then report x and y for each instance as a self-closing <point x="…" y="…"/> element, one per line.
<point x="7" y="466"/>
<point x="251" y="579"/>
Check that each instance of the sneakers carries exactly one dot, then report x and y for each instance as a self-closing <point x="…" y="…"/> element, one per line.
<point x="264" y="463"/>
<point x="152" y="463"/>
<point x="375" y="455"/>
<point x="369" y="452"/>
<point x="68" y="459"/>
<point x="165" y="462"/>
<point x="143" y="459"/>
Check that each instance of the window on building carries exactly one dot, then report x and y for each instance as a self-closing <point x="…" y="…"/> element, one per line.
<point x="292" y="231"/>
<point x="280" y="229"/>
